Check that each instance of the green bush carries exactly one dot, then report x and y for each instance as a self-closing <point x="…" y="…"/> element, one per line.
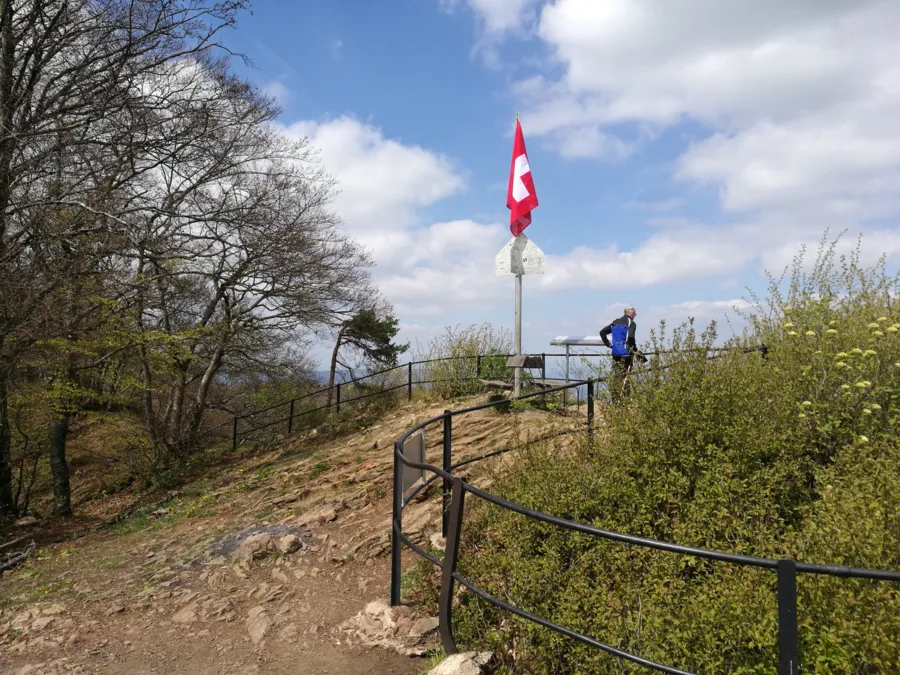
<point x="453" y="363"/>
<point x="793" y="455"/>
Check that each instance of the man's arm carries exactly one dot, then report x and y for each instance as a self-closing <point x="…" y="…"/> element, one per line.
<point x="604" y="335"/>
<point x="630" y="340"/>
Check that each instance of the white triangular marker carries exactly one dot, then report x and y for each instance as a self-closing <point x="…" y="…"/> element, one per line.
<point x="519" y="256"/>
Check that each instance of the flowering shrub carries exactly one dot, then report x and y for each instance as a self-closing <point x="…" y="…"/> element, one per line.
<point x="794" y="454"/>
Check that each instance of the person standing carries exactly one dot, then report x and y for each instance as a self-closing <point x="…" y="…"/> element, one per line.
<point x="624" y="350"/>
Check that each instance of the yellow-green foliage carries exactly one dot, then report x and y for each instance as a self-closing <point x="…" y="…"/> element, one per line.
<point x="452" y="358"/>
<point x="794" y="455"/>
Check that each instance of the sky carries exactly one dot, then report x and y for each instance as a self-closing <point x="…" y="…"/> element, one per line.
<point x="679" y="148"/>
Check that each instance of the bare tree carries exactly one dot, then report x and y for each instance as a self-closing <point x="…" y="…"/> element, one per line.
<point x="74" y="99"/>
<point x="236" y="252"/>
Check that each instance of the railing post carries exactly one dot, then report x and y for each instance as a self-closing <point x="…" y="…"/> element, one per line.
<point x="291" y="418"/>
<point x="338" y="403"/>
<point x="234" y="433"/>
<point x="543" y="366"/>
<point x="451" y="556"/>
<point x="478" y="366"/>
<point x="590" y="406"/>
<point x="788" y="639"/>
<point x="447" y="461"/>
<point x="396" y="529"/>
<point x="409" y="379"/>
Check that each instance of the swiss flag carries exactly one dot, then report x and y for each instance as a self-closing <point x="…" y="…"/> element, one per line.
<point x="520" y="197"/>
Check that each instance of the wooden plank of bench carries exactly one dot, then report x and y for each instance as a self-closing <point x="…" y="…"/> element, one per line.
<point x="496" y="384"/>
<point x="548" y="384"/>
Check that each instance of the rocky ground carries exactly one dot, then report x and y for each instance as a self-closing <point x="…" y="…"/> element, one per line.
<point x="275" y="564"/>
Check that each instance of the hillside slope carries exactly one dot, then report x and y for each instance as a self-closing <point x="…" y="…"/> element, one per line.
<point x="253" y="568"/>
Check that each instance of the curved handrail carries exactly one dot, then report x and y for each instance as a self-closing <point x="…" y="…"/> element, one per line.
<point x="786" y="569"/>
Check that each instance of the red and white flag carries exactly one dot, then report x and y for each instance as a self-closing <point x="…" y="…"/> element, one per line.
<point x="520" y="197"/>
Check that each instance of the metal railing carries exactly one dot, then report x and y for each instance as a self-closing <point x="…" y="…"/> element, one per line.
<point x="292" y="416"/>
<point x="454" y="493"/>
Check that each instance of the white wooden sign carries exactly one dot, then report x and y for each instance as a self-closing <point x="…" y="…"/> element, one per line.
<point x="519" y="256"/>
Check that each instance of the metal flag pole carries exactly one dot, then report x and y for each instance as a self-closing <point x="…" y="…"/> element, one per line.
<point x="519" y="256"/>
<point x="517" y="387"/>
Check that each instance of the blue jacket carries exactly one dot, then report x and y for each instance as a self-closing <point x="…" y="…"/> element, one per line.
<point x="623" y="340"/>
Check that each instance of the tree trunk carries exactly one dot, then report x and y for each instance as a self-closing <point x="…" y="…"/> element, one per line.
<point x="334" y="356"/>
<point x="59" y="467"/>
<point x="7" y="503"/>
<point x="7" y="146"/>
<point x="209" y="375"/>
<point x="173" y="421"/>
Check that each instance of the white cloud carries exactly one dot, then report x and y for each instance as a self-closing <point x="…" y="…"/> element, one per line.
<point x="797" y="101"/>
<point x="496" y="20"/>
<point x="383" y="182"/>
<point x="724" y="61"/>
<point x="726" y="313"/>
<point x="681" y="253"/>
<point x="500" y="16"/>
<point x="278" y="91"/>
<point x="833" y="168"/>
<point x="446" y="266"/>
<point x="875" y="244"/>
<point x="336" y="48"/>
<point x="497" y="16"/>
<point x="384" y="185"/>
<point x="589" y="141"/>
<point x="800" y="97"/>
<point x="688" y="253"/>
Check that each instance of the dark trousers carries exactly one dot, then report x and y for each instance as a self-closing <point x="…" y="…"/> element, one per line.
<point x="618" y="380"/>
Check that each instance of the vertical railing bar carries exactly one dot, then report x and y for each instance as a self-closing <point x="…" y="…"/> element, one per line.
<point x="338" y="404"/>
<point x="234" y="433"/>
<point x="590" y="406"/>
<point x="409" y="377"/>
<point x="447" y="461"/>
<point x="396" y="529"/>
<point x="451" y="556"/>
<point x="291" y="418"/>
<point x="788" y="636"/>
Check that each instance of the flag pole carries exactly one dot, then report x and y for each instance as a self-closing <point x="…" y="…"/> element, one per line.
<point x="517" y="382"/>
<point x="517" y="387"/>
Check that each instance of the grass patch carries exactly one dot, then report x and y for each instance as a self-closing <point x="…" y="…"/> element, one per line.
<point x="265" y="513"/>
<point x="319" y="469"/>
<point x="141" y="519"/>
<point x="112" y="563"/>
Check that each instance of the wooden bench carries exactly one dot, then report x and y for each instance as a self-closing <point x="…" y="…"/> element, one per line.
<point x="527" y="362"/>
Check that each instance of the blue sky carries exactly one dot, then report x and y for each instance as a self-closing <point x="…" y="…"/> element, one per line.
<point x="678" y="147"/>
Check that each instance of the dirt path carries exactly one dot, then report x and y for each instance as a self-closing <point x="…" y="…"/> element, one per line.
<point x="175" y="591"/>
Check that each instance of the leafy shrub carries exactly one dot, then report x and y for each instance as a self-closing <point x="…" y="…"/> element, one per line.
<point x="793" y="455"/>
<point x="453" y="364"/>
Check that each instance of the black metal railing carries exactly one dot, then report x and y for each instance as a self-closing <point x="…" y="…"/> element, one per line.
<point x="454" y="493"/>
<point x="303" y="412"/>
<point x="306" y="411"/>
